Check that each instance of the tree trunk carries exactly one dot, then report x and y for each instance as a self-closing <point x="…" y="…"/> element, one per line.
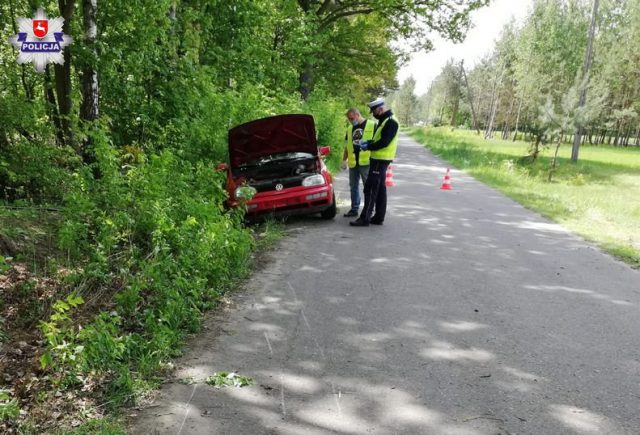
<point x="505" y="132"/>
<point x="489" y="111"/>
<point x="555" y="159"/>
<point x="4" y="140"/>
<point x="28" y="89"/>
<point x="515" y="134"/>
<point x="454" y="115"/>
<point x="489" y="132"/>
<point x="306" y="81"/>
<point x="173" y="13"/>
<point x="495" y="97"/>
<point x="615" y="141"/>
<point x="626" y="137"/>
<point x="473" y="110"/>
<point x="90" y="109"/>
<point x="585" y="79"/>
<point x="535" y="148"/>
<point x="52" y="106"/>
<point x="63" y="76"/>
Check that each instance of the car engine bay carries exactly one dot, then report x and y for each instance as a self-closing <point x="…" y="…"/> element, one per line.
<point x="267" y="173"/>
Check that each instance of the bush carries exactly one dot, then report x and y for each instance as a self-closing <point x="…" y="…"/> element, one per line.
<point x="330" y="124"/>
<point x="36" y="171"/>
<point x="152" y="232"/>
<point x="160" y="231"/>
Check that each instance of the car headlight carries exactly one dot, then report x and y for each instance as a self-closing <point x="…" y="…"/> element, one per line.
<point x="314" y="180"/>
<point x="245" y="192"/>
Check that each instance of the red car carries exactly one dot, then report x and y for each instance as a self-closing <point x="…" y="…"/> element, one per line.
<point x="277" y="168"/>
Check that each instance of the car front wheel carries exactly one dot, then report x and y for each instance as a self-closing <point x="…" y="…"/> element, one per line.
<point x="330" y="212"/>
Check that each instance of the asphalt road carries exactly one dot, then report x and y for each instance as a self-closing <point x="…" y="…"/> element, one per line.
<point x="464" y="314"/>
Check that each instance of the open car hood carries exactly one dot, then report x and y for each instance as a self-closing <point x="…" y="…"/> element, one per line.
<point x="273" y="135"/>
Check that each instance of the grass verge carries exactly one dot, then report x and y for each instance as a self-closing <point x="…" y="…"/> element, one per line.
<point x="75" y="350"/>
<point x="596" y="197"/>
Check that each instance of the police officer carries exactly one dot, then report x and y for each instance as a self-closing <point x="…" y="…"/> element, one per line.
<point x="359" y="129"/>
<point x="383" y="151"/>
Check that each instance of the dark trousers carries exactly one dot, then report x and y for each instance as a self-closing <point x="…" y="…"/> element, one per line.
<point x="375" y="191"/>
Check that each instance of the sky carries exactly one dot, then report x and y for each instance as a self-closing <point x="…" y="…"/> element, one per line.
<point x="487" y="24"/>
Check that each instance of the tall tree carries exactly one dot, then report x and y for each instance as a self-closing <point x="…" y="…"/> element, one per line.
<point x="546" y="59"/>
<point x="585" y="79"/>
<point x="405" y="102"/>
<point x="470" y="97"/>
<point x="63" y="76"/>
<point x="409" y="19"/>
<point x="90" y="110"/>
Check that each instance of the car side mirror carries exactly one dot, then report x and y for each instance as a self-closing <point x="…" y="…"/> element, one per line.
<point x="324" y="151"/>
<point x="223" y="167"/>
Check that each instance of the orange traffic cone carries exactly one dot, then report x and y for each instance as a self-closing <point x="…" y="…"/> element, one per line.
<point x="389" y="179"/>
<point x="446" y="184"/>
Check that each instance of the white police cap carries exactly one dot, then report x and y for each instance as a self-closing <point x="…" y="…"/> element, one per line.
<point x="376" y="103"/>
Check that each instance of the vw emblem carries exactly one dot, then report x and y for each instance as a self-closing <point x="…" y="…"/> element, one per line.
<point x="279" y="187"/>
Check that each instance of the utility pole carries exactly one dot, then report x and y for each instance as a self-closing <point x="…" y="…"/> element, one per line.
<point x="577" y="139"/>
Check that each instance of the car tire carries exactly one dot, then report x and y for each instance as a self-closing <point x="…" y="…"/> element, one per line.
<point x="331" y="211"/>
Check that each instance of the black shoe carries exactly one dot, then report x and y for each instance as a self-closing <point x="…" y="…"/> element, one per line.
<point x="375" y="221"/>
<point x="359" y="223"/>
<point x="351" y="213"/>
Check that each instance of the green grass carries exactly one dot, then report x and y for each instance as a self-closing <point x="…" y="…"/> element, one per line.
<point x="597" y="198"/>
<point x="30" y="231"/>
<point x="105" y="426"/>
<point x="268" y="233"/>
<point x="136" y="364"/>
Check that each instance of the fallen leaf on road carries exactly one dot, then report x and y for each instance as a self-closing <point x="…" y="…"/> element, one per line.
<point x="485" y="417"/>
<point x="224" y="379"/>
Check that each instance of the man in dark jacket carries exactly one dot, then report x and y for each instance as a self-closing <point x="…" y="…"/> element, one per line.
<point x="383" y="150"/>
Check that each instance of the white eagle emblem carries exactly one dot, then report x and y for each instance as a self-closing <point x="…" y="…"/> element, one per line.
<point x="40" y="40"/>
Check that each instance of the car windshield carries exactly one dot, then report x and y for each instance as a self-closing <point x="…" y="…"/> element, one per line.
<point x="278" y="157"/>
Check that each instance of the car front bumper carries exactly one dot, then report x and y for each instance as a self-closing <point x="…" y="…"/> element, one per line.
<point x="291" y="201"/>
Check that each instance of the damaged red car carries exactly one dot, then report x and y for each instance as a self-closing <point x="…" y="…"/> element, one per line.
<point x="276" y="168"/>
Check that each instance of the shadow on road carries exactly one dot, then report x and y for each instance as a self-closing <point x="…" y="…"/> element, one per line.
<point x="463" y="314"/>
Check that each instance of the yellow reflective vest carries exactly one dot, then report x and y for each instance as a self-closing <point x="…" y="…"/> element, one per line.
<point x="388" y="152"/>
<point x="363" y="156"/>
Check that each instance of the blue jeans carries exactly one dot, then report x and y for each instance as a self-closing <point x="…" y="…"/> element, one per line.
<point x="355" y="175"/>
